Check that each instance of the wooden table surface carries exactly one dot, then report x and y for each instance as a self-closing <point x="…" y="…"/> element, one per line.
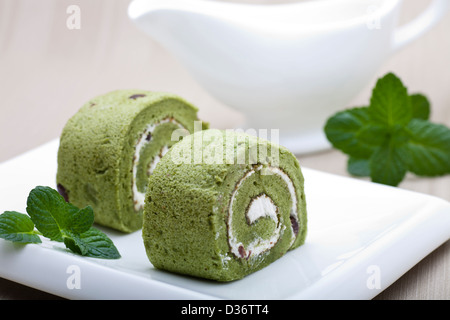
<point x="47" y="71"/>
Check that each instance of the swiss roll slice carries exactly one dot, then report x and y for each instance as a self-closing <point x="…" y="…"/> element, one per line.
<point x="221" y="205"/>
<point x="111" y="146"/>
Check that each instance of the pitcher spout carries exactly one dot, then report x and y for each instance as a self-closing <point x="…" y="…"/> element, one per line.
<point x="168" y="21"/>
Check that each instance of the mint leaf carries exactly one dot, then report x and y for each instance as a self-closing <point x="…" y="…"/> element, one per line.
<point x="428" y="148"/>
<point x="351" y="132"/>
<point x="420" y="106"/>
<point x="47" y="209"/>
<point x="71" y="243"/>
<point x="387" y="166"/>
<point x="93" y="243"/>
<point x="390" y="104"/>
<point x="17" y="227"/>
<point x="391" y="136"/>
<point x="80" y="219"/>
<point x="358" y="167"/>
<point x="57" y="220"/>
<point x="54" y="217"/>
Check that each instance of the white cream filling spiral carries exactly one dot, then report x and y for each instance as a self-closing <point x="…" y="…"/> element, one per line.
<point x="261" y="206"/>
<point x="144" y="139"/>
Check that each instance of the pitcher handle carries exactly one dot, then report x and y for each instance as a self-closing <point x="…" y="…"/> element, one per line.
<point x="424" y="22"/>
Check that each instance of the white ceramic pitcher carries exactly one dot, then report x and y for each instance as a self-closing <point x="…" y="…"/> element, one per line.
<point x="284" y="66"/>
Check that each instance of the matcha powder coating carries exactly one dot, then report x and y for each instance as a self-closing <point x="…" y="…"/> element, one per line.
<point x="111" y="146"/>
<point x="221" y="205"/>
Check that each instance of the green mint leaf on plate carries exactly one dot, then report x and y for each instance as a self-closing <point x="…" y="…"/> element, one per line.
<point x="93" y="243"/>
<point x="18" y="227"/>
<point x="391" y="136"/>
<point x="58" y="220"/>
<point x="47" y="209"/>
<point x="80" y="220"/>
<point x="54" y="217"/>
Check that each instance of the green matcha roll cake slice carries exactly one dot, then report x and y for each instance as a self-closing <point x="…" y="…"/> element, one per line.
<point x="111" y="146"/>
<point x="221" y="205"/>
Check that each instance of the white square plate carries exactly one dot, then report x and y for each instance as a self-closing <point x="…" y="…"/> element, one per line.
<point x="362" y="237"/>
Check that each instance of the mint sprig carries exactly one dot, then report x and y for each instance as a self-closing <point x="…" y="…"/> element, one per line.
<point x="58" y="220"/>
<point x="391" y="136"/>
<point x="18" y="227"/>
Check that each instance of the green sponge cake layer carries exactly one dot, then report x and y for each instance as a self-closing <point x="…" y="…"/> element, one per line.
<point x="111" y="146"/>
<point x="221" y="205"/>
